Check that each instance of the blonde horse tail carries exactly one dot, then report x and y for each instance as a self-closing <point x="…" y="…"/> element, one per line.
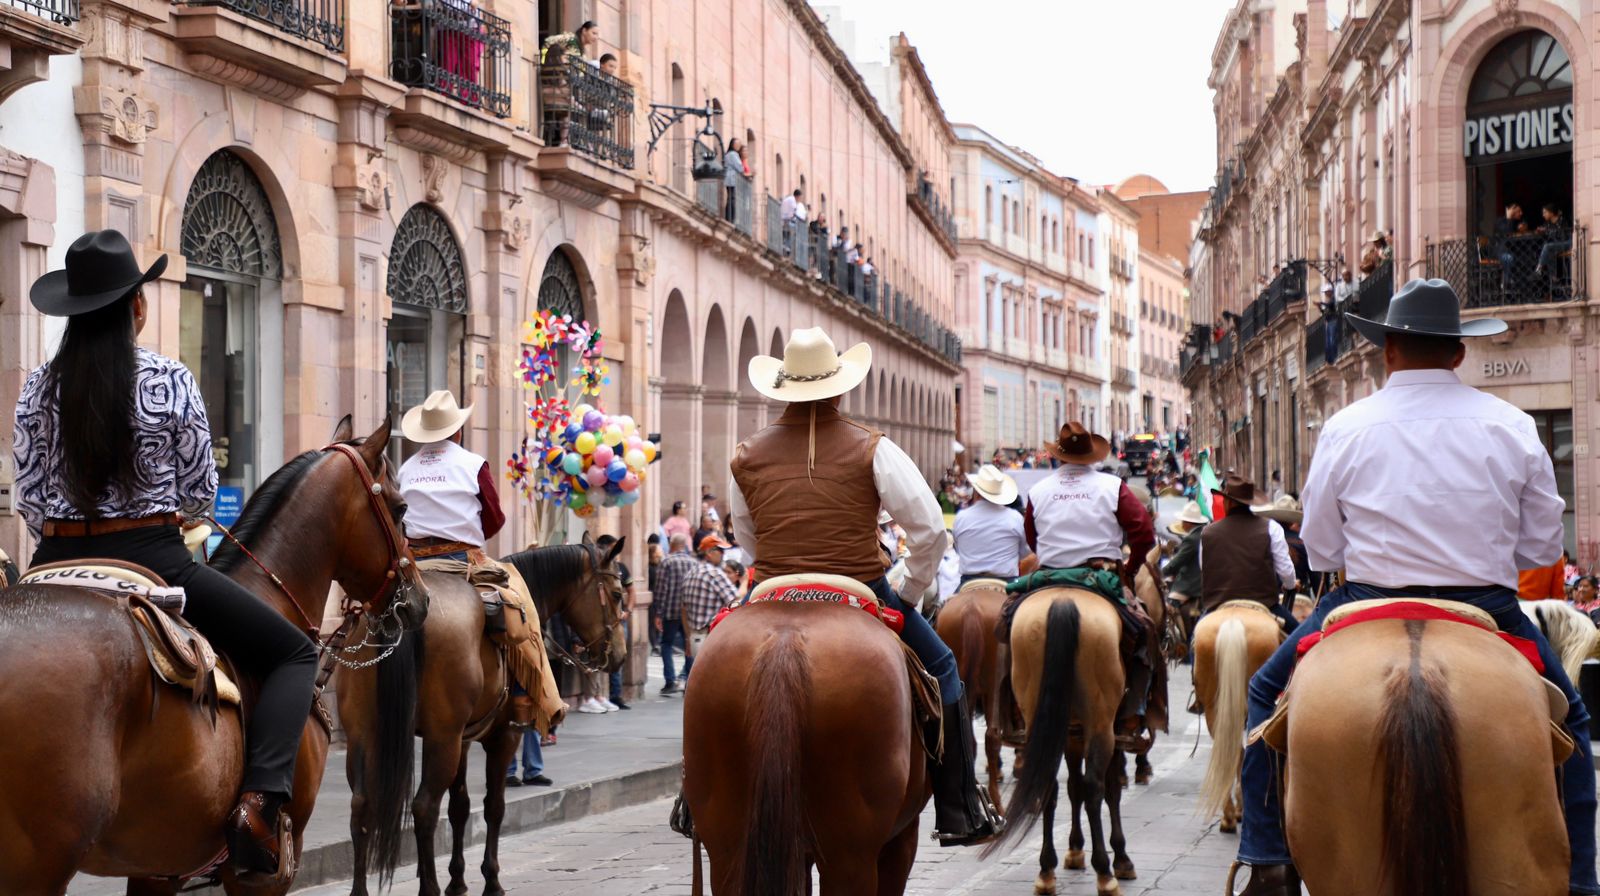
<point x="1228" y="715"/>
<point x="1424" y="822"/>
<point x="773" y="863"/>
<point x="1570" y="632"/>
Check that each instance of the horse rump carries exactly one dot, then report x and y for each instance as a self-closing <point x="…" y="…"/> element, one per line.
<point x="1424" y="821"/>
<point x="773" y="862"/>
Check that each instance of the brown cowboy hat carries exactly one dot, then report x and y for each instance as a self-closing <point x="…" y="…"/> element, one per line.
<point x="1076" y="445"/>
<point x="1240" y="489"/>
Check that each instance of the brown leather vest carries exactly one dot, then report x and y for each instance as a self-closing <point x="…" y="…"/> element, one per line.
<point x="824" y="520"/>
<point x="1236" y="562"/>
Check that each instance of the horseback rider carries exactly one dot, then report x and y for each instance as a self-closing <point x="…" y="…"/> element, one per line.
<point x="113" y="451"/>
<point x="1183" y="569"/>
<point x="1078" y="518"/>
<point x="989" y="534"/>
<point x="1392" y="477"/>
<point x="806" y="495"/>
<point x="1249" y="558"/>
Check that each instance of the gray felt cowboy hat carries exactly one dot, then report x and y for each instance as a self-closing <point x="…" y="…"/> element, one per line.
<point x="101" y="268"/>
<point x="1425" y="308"/>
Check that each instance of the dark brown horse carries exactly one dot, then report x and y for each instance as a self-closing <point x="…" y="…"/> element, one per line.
<point x="800" y="747"/>
<point x="461" y="699"/>
<point x="97" y="772"/>
<point x="966" y="624"/>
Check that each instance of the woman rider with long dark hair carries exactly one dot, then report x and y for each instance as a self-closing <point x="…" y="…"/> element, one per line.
<point x="111" y="443"/>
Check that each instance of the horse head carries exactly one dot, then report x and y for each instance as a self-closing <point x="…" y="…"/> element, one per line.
<point x="387" y="584"/>
<point x="583" y="584"/>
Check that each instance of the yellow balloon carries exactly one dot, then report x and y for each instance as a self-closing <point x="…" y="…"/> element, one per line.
<point x="649" y="452"/>
<point x="584" y="443"/>
<point x="612" y="435"/>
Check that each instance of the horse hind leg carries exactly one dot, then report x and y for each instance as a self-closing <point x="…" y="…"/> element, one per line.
<point x="1045" y="883"/>
<point x="499" y="748"/>
<point x="441" y="763"/>
<point x="1121" y="865"/>
<point x="895" y="861"/>
<point x="1097" y="767"/>
<point x="1142" y="771"/>
<point x="1075" y="860"/>
<point x="991" y="749"/>
<point x="460" y="811"/>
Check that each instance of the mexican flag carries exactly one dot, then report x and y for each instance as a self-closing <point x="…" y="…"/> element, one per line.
<point x="1210" y="504"/>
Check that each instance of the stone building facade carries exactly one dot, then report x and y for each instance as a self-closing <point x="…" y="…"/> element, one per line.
<point x="1166" y="230"/>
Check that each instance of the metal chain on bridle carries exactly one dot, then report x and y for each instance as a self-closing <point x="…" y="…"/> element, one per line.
<point x="613" y="617"/>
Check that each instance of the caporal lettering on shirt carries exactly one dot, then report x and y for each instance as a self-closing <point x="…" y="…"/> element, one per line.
<point x="1073" y="496"/>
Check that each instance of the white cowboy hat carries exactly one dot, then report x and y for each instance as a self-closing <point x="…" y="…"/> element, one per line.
<point x="993" y="485"/>
<point x="1192" y="515"/>
<point x="1284" y="510"/>
<point x="811" y="369"/>
<point x="436" y="419"/>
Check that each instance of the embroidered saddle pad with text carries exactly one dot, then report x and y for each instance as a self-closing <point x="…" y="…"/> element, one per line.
<point x="820" y="588"/>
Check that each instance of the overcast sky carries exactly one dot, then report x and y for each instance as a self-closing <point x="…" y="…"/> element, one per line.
<point x="1096" y="90"/>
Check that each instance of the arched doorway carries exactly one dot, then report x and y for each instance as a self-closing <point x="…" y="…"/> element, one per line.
<point x="561" y="293"/>
<point x="1517" y="137"/>
<point x="428" y="287"/>
<point x="679" y="420"/>
<point x="751" y="405"/>
<point x="230" y="321"/>
<point x="718" y="406"/>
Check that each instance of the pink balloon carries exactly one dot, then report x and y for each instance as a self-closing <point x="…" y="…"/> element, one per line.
<point x="596" y="477"/>
<point x="629" y="482"/>
<point x="603" y="455"/>
<point x="635" y="443"/>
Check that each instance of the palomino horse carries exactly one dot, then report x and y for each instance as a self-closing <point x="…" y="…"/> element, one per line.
<point x="967" y="625"/>
<point x="1570" y="631"/>
<point x="800" y="747"/>
<point x="97" y="773"/>
<point x="1230" y="644"/>
<point x="462" y="698"/>
<point x="1066" y="669"/>
<point x="1411" y="742"/>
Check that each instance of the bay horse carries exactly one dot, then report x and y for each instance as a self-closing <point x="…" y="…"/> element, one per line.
<point x="1230" y="644"/>
<point x="1421" y="761"/>
<point x="966" y="624"/>
<point x="1151" y="592"/>
<point x="462" y="699"/>
<point x="1066" y="669"/>
<point x="800" y="747"/>
<point x="100" y="775"/>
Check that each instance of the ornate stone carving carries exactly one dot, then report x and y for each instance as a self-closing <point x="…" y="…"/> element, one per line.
<point x="370" y="187"/>
<point x="1577" y="330"/>
<point x="114" y="35"/>
<point x="516" y="234"/>
<point x="433" y="171"/>
<point x="125" y="117"/>
<point x="1507" y="11"/>
<point x="426" y="269"/>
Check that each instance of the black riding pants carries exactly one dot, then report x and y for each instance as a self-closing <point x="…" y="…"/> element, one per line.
<point x="261" y="643"/>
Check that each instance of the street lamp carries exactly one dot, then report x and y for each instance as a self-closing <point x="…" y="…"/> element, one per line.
<point x="708" y="148"/>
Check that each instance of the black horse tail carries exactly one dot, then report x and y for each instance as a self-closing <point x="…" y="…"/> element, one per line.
<point x="390" y="792"/>
<point x="1424" y="821"/>
<point x="774" y="863"/>
<point x="970" y="664"/>
<point x="1047" y="730"/>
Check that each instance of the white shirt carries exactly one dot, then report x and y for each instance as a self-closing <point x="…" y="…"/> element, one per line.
<point x="440" y="487"/>
<point x="949" y="575"/>
<point x="801" y="213"/>
<point x="1431" y="482"/>
<point x="1075" y="516"/>
<point x="990" y="539"/>
<point x="1281" y="562"/>
<point x="786" y="209"/>
<point x="907" y="498"/>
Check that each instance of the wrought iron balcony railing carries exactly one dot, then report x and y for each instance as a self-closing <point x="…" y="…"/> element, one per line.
<point x="935" y="206"/>
<point x="739" y="209"/>
<point x="1517" y="270"/>
<point x="318" y="21"/>
<point x="65" y="12"/>
<point x="588" y="110"/>
<point x="453" y="48"/>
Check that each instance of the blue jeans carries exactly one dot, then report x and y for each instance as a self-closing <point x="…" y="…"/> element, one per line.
<point x="672" y="633"/>
<point x="1550" y="251"/>
<point x="616" y="677"/>
<point x="532" y="756"/>
<point x="924" y="642"/>
<point x="1261" y="838"/>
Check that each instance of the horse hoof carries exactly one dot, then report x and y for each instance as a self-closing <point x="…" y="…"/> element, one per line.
<point x="1045" y="885"/>
<point x="1141" y="778"/>
<point x="1228" y="826"/>
<point x="1074" y="860"/>
<point x="1107" y="889"/>
<point x="1124" y="871"/>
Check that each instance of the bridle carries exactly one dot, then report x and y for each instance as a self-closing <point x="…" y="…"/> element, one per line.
<point x="612" y="616"/>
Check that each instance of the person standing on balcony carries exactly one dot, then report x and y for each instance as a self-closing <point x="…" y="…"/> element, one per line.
<point x="1377" y="252"/>
<point x="572" y="46"/>
<point x="1556" y="238"/>
<point x="608" y="64"/>
<point x="732" y="175"/>
<point x="1329" y="306"/>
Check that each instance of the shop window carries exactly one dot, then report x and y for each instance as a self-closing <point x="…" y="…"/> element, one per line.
<point x="1555" y="431"/>
<point x="1517" y="138"/>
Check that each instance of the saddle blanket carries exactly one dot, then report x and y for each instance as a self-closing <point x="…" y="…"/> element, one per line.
<point x="114" y="579"/>
<point x="820" y="589"/>
<point x="1414" y="610"/>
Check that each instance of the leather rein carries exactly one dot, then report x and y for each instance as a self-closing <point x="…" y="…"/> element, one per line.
<point x="613" y="619"/>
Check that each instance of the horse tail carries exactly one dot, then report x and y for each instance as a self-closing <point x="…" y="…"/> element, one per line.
<point x="390" y="791"/>
<point x="1570" y="632"/>
<point x="1049" y="727"/>
<point x="775" y="847"/>
<point x="970" y="665"/>
<point x="1424" y="822"/>
<point x="1232" y="675"/>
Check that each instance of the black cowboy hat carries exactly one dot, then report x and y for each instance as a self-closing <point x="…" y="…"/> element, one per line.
<point x="1239" y="489"/>
<point x="101" y="268"/>
<point x="1426" y="308"/>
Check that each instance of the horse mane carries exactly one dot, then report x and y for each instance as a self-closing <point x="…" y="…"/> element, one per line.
<point x="260" y="510"/>
<point x="557" y="562"/>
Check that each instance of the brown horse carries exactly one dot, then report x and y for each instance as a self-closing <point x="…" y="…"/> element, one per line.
<point x="800" y="747"/>
<point x="1230" y="644"/>
<point x="462" y="698"/>
<point x="97" y="772"/>
<point x="966" y="624"/>
<point x="1066" y="668"/>
<point x="1152" y="594"/>
<point x="1410" y="742"/>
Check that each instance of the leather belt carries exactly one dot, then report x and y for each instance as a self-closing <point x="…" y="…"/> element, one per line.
<point x="1432" y="590"/>
<point x="90" y="528"/>
<point x="423" y="548"/>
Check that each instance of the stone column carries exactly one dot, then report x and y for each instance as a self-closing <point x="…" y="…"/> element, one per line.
<point x="27" y="228"/>
<point x="681" y="471"/>
<point x="718" y="412"/>
<point x="640" y="396"/>
<point x="494" y="327"/>
<point x="752" y="415"/>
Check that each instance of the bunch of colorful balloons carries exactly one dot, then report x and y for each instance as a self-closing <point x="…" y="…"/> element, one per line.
<point x="595" y="460"/>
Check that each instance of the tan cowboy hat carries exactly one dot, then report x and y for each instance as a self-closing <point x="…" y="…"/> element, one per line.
<point x="811" y="369"/>
<point x="1191" y="516"/>
<point x="1239" y="489"/>
<point x="1076" y="445"/>
<point x="436" y="419"/>
<point x="993" y="485"/>
<point x="1285" y="510"/>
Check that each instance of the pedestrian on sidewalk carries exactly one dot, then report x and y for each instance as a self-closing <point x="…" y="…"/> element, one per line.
<point x="706" y="593"/>
<point x="532" y="763"/>
<point x="625" y="576"/>
<point x="672" y="581"/>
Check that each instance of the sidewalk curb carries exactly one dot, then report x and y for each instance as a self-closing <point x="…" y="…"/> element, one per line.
<point x="334" y="862"/>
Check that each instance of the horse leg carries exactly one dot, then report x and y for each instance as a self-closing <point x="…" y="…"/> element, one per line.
<point x="1142" y="771"/>
<point x="1045" y="884"/>
<point x="852" y="875"/>
<point x="1121" y="865"/>
<point x="144" y="887"/>
<point x="1075" y="798"/>
<point x="991" y="750"/>
<point x="500" y="747"/>
<point x="441" y="760"/>
<point x="895" y="861"/>
<point x="1097" y="766"/>
<point x="460" y="810"/>
<point x="1230" y="814"/>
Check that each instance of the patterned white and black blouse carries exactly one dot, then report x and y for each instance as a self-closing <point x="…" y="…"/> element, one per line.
<point x="172" y="449"/>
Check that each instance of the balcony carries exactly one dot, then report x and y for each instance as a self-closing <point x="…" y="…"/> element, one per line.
<point x="740" y="212"/>
<point x="1122" y="376"/>
<point x="1489" y="276"/>
<point x="60" y="12"/>
<point x="587" y="110"/>
<point x="455" y="50"/>
<point x="31" y="31"/>
<point x="934" y="209"/>
<point x="316" y="21"/>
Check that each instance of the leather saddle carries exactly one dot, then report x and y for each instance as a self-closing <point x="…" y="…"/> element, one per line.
<point x="177" y="653"/>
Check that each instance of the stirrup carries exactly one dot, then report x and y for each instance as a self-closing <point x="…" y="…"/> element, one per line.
<point x="681" y="821"/>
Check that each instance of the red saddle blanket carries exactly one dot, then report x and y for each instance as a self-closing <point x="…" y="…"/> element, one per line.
<point x="811" y="592"/>
<point x="1422" y="612"/>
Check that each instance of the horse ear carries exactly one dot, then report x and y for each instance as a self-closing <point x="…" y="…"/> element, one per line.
<point x="343" y="431"/>
<point x="587" y="538"/>
<point x="373" y="446"/>
<point x="616" y="550"/>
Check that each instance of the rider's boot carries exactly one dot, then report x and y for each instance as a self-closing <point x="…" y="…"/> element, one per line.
<point x="258" y="832"/>
<point x="962" y="814"/>
<point x="1268" y="880"/>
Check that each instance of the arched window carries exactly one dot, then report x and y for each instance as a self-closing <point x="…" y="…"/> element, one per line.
<point x="988" y="207"/>
<point x="427" y="286"/>
<point x="1522" y="65"/>
<point x="560" y="293"/>
<point x="1519" y="127"/>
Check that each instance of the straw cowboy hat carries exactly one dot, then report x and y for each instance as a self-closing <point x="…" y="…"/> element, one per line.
<point x="1191" y="516"/>
<point x="436" y="419"/>
<point x="1285" y="510"/>
<point x="1239" y="489"/>
<point x="811" y="369"/>
<point x="993" y="485"/>
<point x="1426" y="308"/>
<point x="101" y="268"/>
<point x="1076" y="445"/>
